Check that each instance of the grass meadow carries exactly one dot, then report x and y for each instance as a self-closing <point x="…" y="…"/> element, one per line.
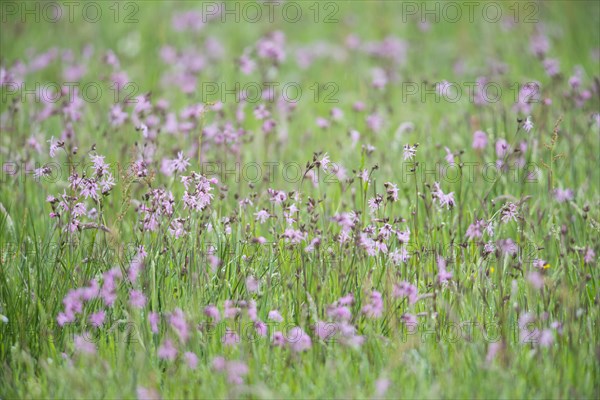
<point x="309" y="199"/>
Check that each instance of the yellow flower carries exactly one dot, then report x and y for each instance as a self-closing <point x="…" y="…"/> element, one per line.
<point x="546" y="266"/>
<point x="492" y="270"/>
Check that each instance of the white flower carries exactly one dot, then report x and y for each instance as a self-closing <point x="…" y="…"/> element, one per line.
<point x="528" y="125"/>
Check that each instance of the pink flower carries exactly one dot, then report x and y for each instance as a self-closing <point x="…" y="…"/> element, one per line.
<point x="325" y="330"/>
<point x="552" y="67"/>
<point x="381" y="386"/>
<point x="252" y="284"/>
<point x="231" y="311"/>
<point x="322" y="123"/>
<point x="477" y="228"/>
<point x="546" y="338"/>
<point x="561" y="195"/>
<point x="444" y="200"/>
<point x="261" y="112"/>
<point x="364" y="175"/>
<point x="313" y="244"/>
<point x="338" y="312"/>
<point x="359" y="106"/>
<point x="501" y="148"/>
<point x="274" y="315"/>
<point x="84" y="345"/>
<point x="392" y="191"/>
<point x="403" y="236"/>
<point x="142" y="105"/>
<point x="252" y="310"/>
<point x="63" y="318"/>
<point x="97" y="319"/>
<point x="536" y="279"/>
<point x="293" y="236"/>
<point x="269" y="125"/>
<point x="443" y="275"/>
<point x="91" y="292"/>
<point x="406" y="290"/>
<point x="590" y="255"/>
<point x="179" y="325"/>
<point x="558" y="326"/>
<point x="137" y="299"/>
<point x="348" y="336"/>
<point x="507" y="246"/>
<point x="134" y="269"/>
<point x="379" y="78"/>
<point x="219" y="363"/>
<point x="324" y="162"/>
<point x="399" y="256"/>
<point x="298" y="340"/>
<point x="261" y="328"/>
<point x="374" y="203"/>
<point x="230" y="338"/>
<point x="493" y="349"/>
<point x="409" y="319"/>
<point x="480" y="140"/>
<point x="191" y="359"/>
<point x="212" y="312"/>
<point x="539" y="44"/>
<point x="246" y="64"/>
<point x="528" y="333"/>
<point x="180" y="163"/>
<point x="117" y="116"/>
<point x="198" y="190"/>
<point x="354" y="137"/>
<point x="272" y="46"/>
<point x="153" y="318"/>
<point x="278" y="339"/>
<point x="336" y="114"/>
<point x="509" y="212"/>
<point x="262" y="216"/>
<point x="374" y="306"/>
<point x="147" y="394"/>
<point x="277" y="196"/>
<point x="167" y="350"/>
<point x="191" y="21"/>
<point x="375" y="122"/>
<point x="54" y="146"/>
<point x="449" y="156"/>
<point x="214" y="262"/>
<point x="236" y="370"/>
